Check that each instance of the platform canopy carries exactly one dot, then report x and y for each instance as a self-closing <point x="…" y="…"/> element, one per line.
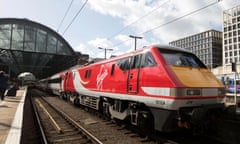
<point x="27" y="46"/>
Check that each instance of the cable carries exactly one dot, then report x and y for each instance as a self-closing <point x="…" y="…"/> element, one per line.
<point x="65" y="15"/>
<point x="137" y="20"/>
<point x="112" y="36"/>
<point x="171" y="21"/>
<point x="75" y="16"/>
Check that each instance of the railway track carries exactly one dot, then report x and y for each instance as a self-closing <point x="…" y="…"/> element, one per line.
<point x="59" y="127"/>
<point x="109" y="132"/>
<point x="32" y="131"/>
<point x="106" y="131"/>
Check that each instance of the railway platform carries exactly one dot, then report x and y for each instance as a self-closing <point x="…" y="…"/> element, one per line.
<point x="11" y="116"/>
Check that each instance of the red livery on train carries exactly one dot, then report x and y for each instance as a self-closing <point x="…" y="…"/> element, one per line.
<point x="156" y="87"/>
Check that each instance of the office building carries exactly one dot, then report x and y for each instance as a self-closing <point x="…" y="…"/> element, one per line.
<point x="205" y="45"/>
<point x="231" y="36"/>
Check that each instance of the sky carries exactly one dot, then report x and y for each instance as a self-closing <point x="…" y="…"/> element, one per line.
<point x="108" y="23"/>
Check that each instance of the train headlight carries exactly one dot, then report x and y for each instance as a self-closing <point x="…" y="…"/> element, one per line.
<point x="192" y="92"/>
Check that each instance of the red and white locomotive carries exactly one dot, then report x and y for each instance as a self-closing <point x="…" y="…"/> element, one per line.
<point x="158" y="87"/>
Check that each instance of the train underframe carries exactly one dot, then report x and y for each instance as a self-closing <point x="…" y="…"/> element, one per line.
<point x="149" y="118"/>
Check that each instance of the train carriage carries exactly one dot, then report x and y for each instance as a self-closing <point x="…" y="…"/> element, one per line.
<point x="159" y="87"/>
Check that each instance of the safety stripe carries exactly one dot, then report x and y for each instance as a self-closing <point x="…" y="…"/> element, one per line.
<point x="156" y="91"/>
<point x="164" y="102"/>
<point x="160" y="97"/>
<point x="180" y="93"/>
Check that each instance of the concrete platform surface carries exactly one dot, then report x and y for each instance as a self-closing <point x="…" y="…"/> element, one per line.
<point x="11" y="116"/>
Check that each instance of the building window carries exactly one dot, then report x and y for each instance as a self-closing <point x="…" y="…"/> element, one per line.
<point x="17" y="36"/>
<point x="41" y="41"/>
<point x="225" y="30"/>
<point x="226" y="54"/>
<point x="225" y="42"/>
<point x="234" y="40"/>
<point x="61" y="49"/>
<point x="226" y="48"/>
<point x="234" y="27"/>
<point x="29" y="38"/>
<point x="234" y="33"/>
<point x="5" y="34"/>
<point x="235" y="53"/>
<point x="238" y="19"/>
<point x="230" y="34"/>
<point x="229" y="28"/>
<point x="225" y="35"/>
<point x="51" y="44"/>
<point x="235" y="46"/>
<point x="226" y="61"/>
<point x="234" y="20"/>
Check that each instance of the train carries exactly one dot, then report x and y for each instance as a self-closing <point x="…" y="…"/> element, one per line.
<point x="26" y="78"/>
<point x="230" y="85"/>
<point x="158" y="87"/>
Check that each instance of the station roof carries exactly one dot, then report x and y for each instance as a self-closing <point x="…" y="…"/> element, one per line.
<point x="27" y="46"/>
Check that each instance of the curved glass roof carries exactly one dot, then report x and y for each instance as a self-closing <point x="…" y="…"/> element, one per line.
<point x="27" y="46"/>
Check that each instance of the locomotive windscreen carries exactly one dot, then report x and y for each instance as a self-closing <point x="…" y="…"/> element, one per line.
<point x="180" y="58"/>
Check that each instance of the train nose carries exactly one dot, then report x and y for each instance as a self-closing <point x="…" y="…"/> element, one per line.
<point x="196" y="77"/>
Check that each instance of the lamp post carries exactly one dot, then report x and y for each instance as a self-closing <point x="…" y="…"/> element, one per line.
<point x="105" y="51"/>
<point x="135" y="40"/>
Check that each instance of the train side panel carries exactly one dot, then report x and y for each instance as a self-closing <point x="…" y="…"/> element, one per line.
<point x="155" y="87"/>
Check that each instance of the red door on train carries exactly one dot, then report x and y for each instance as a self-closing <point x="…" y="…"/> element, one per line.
<point x="133" y="75"/>
<point x="68" y="83"/>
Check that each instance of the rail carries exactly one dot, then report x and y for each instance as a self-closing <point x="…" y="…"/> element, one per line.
<point x="44" y="138"/>
<point x="74" y="123"/>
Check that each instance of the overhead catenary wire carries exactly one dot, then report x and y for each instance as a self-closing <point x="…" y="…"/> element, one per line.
<point x="171" y="21"/>
<point x="113" y="35"/>
<point x="65" y="15"/>
<point x="176" y="19"/>
<point x="75" y="16"/>
<point x="138" y="20"/>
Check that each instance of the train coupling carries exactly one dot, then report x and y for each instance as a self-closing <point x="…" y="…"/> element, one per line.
<point x="198" y="118"/>
<point x="183" y="124"/>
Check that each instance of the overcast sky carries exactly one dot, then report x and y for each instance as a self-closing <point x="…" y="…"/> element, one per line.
<point x="108" y="23"/>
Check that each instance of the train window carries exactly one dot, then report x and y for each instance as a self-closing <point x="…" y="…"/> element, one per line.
<point x="88" y="73"/>
<point x="178" y="58"/>
<point x="113" y="68"/>
<point x="148" y="60"/>
<point x="55" y="80"/>
<point x="135" y="61"/>
<point x="123" y="64"/>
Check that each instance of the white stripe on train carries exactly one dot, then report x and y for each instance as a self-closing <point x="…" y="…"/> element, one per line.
<point x="159" y="102"/>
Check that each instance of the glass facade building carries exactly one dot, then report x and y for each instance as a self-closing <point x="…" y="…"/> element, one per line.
<point x="27" y="46"/>
<point x="206" y="45"/>
<point x="231" y="35"/>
